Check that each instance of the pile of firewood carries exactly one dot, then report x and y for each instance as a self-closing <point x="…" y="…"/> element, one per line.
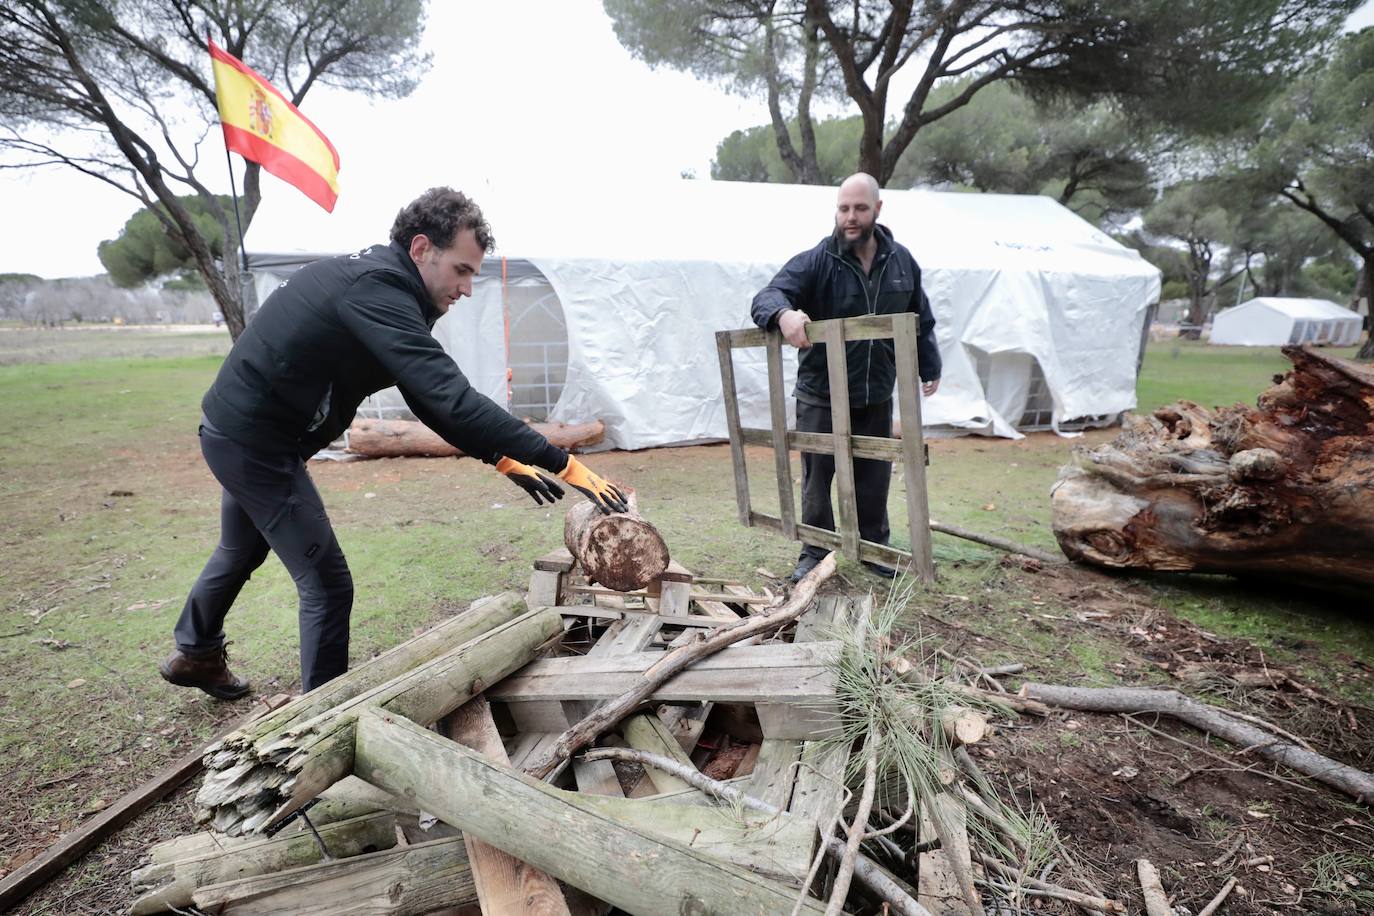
<point x="676" y="744"/>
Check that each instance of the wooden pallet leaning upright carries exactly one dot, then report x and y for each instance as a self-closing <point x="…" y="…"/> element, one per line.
<point x="909" y="451"/>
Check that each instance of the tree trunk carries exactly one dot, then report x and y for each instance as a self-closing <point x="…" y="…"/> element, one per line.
<point x="413" y="439"/>
<point x="621" y="551"/>
<point x="1281" y="490"/>
<point x="1364" y="292"/>
<point x="250" y="786"/>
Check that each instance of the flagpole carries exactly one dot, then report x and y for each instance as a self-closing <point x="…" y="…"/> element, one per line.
<point x="238" y="223"/>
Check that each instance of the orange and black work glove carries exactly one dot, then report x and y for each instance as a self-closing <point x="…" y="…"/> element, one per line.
<point x="604" y="494"/>
<point x="534" y="482"/>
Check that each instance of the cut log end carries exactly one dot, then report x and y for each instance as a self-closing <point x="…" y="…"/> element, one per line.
<point x="622" y="551"/>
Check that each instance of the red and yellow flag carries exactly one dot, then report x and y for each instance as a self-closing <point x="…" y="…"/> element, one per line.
<point x="262" y="126"/>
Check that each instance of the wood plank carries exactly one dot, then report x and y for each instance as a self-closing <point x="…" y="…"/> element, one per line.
<point x="162" y="885"/>
<point x="864" y="327"/>
<point x="775" y="771"/>
<point x="782" y="458"/>
<point x="847" y="510"/>
<point x="552" y="829"/>
<point x="913" y="450"/>
<point x="545" y="588"/>
<point x="560" y="560"/>
<point x="71" y="846"/>
<point x="646" y="732"/>
<point x="878" y="448"/>
<point x="939" y="888"/>
<point x="813" y="624"/>
<point x="810" y="534"/>
<point x="506" y="886"/>
<point x="406" y="881"/>
<point x="732" y="423"/>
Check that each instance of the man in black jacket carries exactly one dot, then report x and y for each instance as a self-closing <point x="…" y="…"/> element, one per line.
<point x="337" y="331"/>
<point x="858" y="270"/>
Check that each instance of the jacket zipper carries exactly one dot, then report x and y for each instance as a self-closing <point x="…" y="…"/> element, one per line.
<point x="872" y="307"/>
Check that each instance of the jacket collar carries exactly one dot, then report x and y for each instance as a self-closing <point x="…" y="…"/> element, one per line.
<point x="402" y="257"/>
<point x="886" y="241"/>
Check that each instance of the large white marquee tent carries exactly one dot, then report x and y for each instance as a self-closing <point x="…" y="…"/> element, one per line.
<point x="602" y="300"/>
<point x="1270" y="321"/>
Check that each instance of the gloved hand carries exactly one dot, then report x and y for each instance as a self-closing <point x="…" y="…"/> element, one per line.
<point x="533" y="481"/>
<point x="604" y="494"/>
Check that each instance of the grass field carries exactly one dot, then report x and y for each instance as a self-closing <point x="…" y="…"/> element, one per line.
<point x="108" y="513"/>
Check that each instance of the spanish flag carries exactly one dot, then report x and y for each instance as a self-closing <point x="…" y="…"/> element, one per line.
<point x="262" y="126"/>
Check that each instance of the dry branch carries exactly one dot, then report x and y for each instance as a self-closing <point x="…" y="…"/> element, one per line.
<point x="1156" y="901"/>
<point x="1084" y="901"/>
<point x="1210" y="719"/>
<point x="865" y="869"/>
<point x="612" y="712"/>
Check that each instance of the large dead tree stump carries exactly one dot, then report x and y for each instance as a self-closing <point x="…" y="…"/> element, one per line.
<point x="413" y="439"/>
<point x="1284" y="489"/>
<point x="621" y="551"/>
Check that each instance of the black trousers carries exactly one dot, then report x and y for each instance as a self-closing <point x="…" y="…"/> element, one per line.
<point x="871" y="478"/>
<point x="270" y="502"/>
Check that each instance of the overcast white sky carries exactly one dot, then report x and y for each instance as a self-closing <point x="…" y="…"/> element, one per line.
<point x="525" y="89"/>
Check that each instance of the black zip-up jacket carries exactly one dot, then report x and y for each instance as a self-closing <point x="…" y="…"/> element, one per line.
<point x="823" y="283"/>
<point x="339" y="330"/>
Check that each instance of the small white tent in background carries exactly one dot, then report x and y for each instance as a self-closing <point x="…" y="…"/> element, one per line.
<point x="1270" y="321"/>
<point x="602" y="299"/>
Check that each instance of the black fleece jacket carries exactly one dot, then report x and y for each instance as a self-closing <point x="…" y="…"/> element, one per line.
<point x="827" y="284"/>
<point x="339" y="330"/>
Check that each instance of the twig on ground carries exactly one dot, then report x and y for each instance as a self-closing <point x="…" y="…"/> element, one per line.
<point x="1052" y="890"/>
<point x="1156" y="901"/>
<point x="1229" y="853"/>
<point x="1215" y="756"/>
<point x="1220" y="898"/>
<point x="1212" y="720"/>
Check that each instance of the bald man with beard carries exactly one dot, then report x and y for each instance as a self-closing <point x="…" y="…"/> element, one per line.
<point x="859" y="269"/>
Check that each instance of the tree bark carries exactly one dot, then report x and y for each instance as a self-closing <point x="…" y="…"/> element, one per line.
<point x="1279" y="490"/>
<point x="413" y="439"/>
<point x="622" y="551"/>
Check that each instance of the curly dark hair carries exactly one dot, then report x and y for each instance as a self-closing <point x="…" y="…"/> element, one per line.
<point x="440" y="214"/>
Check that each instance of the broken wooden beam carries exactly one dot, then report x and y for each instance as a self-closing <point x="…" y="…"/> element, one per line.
<point x="404" y="881"/>
<point x="160" y="886"/>
<point x="251" y="785"/>
<point x="553" y="830"/>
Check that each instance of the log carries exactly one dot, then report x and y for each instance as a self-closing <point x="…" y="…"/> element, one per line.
<point x="565" y="834"/>
<point x="413" y="439"/>
<point x="252" y="785"/>
<point x="1280" y="490"/>
<point x="405" y="881"/>
<point x="621" y="551"/>
<point x="161" y="886"/>
<point x="1356" y="783"/>
<point x="612" y="712"/>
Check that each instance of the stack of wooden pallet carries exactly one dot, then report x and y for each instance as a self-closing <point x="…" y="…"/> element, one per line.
<point x="409" y="769"/>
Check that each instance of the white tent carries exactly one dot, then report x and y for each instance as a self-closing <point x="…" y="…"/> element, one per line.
<point x="1270" y="321"/>
<point x="602" y="301"/>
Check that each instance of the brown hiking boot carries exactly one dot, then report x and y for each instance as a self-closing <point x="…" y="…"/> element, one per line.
<point x="206" y="672"/>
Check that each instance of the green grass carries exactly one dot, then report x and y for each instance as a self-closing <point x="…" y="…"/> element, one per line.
<point x="1210" y="376"/>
